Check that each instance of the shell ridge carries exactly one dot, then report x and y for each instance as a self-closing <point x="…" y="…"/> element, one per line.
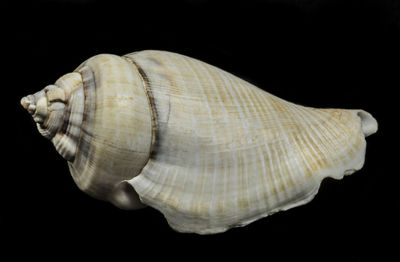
<point x="192" y="113"/>
<point x="264" y="174"/>
<point x="212" y="206"/>
<point x="321" y="138"/>
<point x="149" y="170"/>
<point x="89" y="88"/>
<point x="85" y="145"/>
<point x="244" y="100"/>
<point x="301" y="141"/>
<point x="312" y="141"/>
<point x="228" y="187"/>
<point x="190" y="66"/>
<point x="285" y="149"/>
<point x="237" y="155"/>
<point x="274" y="157"/>
<point x="234" y="84"/>
<point x="293" y="169"/>
<point x="150" y="98"/>
<point x="313" y="114"/>
<point x="353" y="163"/>
<point x="344" y="127"/>
<point x="271" y="154"/>
<point x="217" y="161"/>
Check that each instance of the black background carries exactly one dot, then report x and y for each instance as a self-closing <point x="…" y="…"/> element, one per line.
<point x="320" y="53"/>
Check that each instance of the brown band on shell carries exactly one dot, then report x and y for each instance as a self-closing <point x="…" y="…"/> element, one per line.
<point x="66" y="139"/>
<point x="149" y="95"/>
<point x="65" y="121"/>
<point x="89" y="89"/>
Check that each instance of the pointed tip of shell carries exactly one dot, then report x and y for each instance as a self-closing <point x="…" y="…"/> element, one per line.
<point x="25" y="102"/>
<point x="368" y="123"/>
<point x="46" y="108"/>
<point x="28" y="103"/>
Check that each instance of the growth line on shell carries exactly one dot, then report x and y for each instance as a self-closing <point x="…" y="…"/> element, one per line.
<point x="284" y="145"/>
<point x="187" y="200"/>
<point x="216" y="167"/>
<point x="323" y="137"/>
<point x="212" y="129"/>
<point x="172" y="64"/>
<point x="230" y="84"/>
<point x="234" y="156"/>
<point x="245" y="115"/>
<point x="295" y="137"/>
<point x="146" y="86"/>
<point x="269" y="107"/>
<point x="265" y="148"/>
<point x="333" y="128"/>
<point x="319" y="144"/>
<point x="282" y="106"/>
<point x="261" y="105"/>
<point x="260" y="154"/>
<point x="89" y="108"/>
<point x="310" y="140"/>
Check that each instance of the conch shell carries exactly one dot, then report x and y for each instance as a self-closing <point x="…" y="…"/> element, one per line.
<point x="207" y="149"/>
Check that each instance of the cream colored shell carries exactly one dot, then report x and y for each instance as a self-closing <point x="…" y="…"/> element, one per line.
<point x="207" y="149"/>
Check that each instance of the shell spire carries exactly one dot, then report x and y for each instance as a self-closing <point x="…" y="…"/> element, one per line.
<point x="57" y="110"/>
<point x="47" y="109"/>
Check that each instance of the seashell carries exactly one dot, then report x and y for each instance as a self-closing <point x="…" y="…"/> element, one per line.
<point x="207" y="149"/>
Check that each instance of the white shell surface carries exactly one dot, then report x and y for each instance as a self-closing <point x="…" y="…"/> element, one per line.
<point x="227" y="153"/>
